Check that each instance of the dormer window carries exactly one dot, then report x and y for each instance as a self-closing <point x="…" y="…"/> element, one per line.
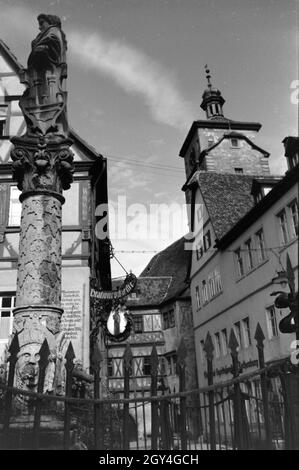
<point x="239" y="171"/>
<point x="234" y="142"/>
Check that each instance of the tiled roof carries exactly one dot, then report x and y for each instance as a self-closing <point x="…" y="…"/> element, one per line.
<point x="149" y="291"/>
<point x="227" y="198"/>
<point x="172" y="262"/>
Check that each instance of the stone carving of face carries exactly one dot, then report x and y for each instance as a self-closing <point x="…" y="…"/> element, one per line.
<point x="27" y="366"/>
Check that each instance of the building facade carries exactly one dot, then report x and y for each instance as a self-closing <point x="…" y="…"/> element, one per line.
<point x="244" y="221"/>
<point x="83" y="255"/>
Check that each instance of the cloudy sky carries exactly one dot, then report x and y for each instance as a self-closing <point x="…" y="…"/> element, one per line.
<point x="136" y="76"/>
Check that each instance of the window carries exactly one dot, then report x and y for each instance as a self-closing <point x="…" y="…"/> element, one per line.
<point x="272" y="322"/>
<point x="146" y="369"/>
<point x="249" y="254"/>
<point x="197" y="295"/>
<point x="217" y="344"/>
<point x="246" y="332"/>
<point x="261" y="254"/>
<point x="224" y="344"/>
<point x="204" y="292"/>
<point x="15" y="207"/>
<point x="168" y="319"/>
<point x="152" y="323"/>
<point x="234" y="142"/>
<point x="7" y="303"/>
<point x="3" y="115"/>
<point x="138" y="323"/>
<point x="239" y="171"/>
<point x="282" y="219"/>
<point x="218" y="285"/>
<point x="172" y="361"/>
<point x="211" y="281"/>
<point x="207" y="240"/>
<point x="294" y="216"/>
<point x="239" y="260"/>
<point x="2" y="125"/>
<point x="237" y="330"/>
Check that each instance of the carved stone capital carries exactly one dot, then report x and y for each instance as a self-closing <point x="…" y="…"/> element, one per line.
<point x="42" y="166"/>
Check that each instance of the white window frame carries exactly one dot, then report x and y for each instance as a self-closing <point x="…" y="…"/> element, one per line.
<point x="239" y="262"/>
<point x="238" y="333"/>
<point x="3" y="295"/>
<point x="204" y="292"/>
<point x="246" y="332"/>
<point x="15" y="207"/>
<point x="283" y="227"/>
<point x="261" y="245"/>
<point x="224" y="341"/>
<point x="294" y="216"/>
<point x="249" y="254"/>
<point x="211" y="284"/>
<point x="218" y="283"/>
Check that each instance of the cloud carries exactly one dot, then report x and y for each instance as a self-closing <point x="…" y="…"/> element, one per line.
<point x="136" y="73"/>
<point x="131" y="69"/>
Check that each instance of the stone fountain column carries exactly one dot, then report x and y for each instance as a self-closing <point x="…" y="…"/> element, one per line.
<point x="42" y="166"/>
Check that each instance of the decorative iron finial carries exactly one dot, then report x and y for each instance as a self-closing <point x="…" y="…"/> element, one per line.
<point x="208" y="76"/>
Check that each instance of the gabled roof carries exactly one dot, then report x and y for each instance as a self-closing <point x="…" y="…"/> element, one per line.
<point x="227" y="197"/>
<point x="172" y="262"/>
<point x="217" y="123"/>
<point x="238" y="135"/>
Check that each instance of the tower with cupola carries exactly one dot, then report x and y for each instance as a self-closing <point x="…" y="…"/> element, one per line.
<point x="222" y="145"/>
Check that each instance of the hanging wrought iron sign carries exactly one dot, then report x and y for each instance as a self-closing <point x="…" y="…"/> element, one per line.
<point x="127" y="287"/>
<point x="117" y="326"/>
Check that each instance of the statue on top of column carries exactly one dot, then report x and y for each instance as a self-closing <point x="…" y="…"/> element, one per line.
<point x="41" y="157"/>
<point x="44" y="100"/>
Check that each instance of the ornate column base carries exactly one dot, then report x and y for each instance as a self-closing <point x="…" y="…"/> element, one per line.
<point x="34" y="324"/>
